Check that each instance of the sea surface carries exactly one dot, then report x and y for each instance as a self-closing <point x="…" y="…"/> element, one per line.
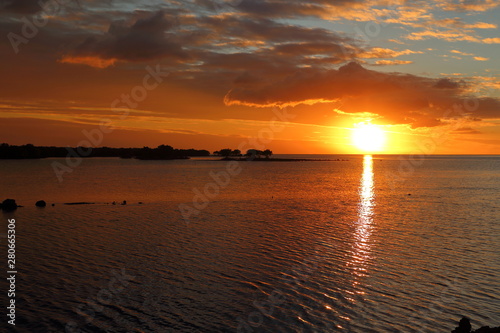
<point x="364" y="244"/>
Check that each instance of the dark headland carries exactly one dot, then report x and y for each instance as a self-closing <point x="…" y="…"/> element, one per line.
<point x="162" y="152"/>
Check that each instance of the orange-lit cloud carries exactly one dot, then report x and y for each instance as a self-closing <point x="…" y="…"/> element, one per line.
<point x="481" y="25"/>
<point x="451" y="36"/>
<point x="462" y="53"/>
<point x="393" y="62"/>
<point x="378" y="52"/>
<point x="495" y="40"/>
<point x="469" y="5"/>
<point x="89" y="61"/>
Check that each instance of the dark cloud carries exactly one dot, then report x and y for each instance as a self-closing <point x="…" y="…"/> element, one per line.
<point x="398" y="98"/>
<point x="147" y="38"/>
<point x="20" y="6"/>
<point x="51" y="7"/>
<point x="279" y="8"/>
<point x="263" y="8"/>
<point x="487" y="108"/>
<point x="266" y="30"/>
<point x="466" y="130"/>
<point x="446" y="84"/>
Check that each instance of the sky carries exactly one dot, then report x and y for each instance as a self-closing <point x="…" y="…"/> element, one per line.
<point x="290" y="76"/>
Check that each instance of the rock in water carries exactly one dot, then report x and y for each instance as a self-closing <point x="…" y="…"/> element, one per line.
<point x="9" y="205"/>
<point x="464" y="326"/>
<point x="41" y="203"/>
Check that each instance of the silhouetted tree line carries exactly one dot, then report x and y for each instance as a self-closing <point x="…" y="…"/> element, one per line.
<point x="251" y="153"/>
<point x="227" y="152"/>
<point x="30" y="151"/>
<point x="164" y="152"/>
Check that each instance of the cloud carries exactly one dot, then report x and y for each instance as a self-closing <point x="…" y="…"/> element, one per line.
<point x="446" y="84"/>
<point x="481" y="58"/>
<point x="457" y="23"/>
<point x="393" y="62"/>
<point x="469" y="5"/>
<point x="462" y="53"/>
<point x="147" y="38"/>
<point x="396" y="41"/>
<point x="91" y="61"/>
<point x="451" y="36"/>
<point x="378" y="52"/>
<point x="265" y="29"/>
<point x="245" y="51"/>
<point x="481" y="25"/>
<point x="20" y="6"/>
<point x="398" y="98"/>
<point x="450" y="29"/>
<point x="495" y="40"/>
<point x="262" y="8"/>
<point x="466" y="130"/>
<point x="352" y="9"/>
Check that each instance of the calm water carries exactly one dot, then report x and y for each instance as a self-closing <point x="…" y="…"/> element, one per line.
<point x="284" y="247"/>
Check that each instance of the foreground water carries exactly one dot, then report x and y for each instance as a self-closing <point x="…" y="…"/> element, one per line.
<point x="283" y="247"/>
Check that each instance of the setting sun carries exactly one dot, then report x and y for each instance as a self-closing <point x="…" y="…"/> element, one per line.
<point x="368" y="137"/>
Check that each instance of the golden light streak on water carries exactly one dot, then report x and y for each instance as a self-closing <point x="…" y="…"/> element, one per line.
<point x="362" y="247"/>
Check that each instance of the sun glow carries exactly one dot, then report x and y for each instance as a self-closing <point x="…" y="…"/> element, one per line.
<point x="368" y="137"/>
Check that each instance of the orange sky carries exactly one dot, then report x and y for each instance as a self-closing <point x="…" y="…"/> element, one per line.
<point x="211" y="74"/>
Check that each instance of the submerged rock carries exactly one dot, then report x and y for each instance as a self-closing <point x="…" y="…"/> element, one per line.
<point x="9" y="205"/>
<point x="78" y="203"/>
<point x="40" y="203"/>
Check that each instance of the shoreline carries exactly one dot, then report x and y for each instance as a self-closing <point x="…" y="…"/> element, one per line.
<point x="281" y="160"/>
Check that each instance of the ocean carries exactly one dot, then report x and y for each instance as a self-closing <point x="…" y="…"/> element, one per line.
<point x="382" y="243"/>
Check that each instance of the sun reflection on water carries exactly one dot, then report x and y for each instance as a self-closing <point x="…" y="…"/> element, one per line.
<point x="362" y="248"/>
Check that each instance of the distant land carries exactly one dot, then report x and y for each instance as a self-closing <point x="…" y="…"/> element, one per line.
<point x="161" y="152"/>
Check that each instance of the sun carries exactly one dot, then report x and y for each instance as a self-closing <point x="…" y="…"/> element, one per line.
<point x="368" y="137"/>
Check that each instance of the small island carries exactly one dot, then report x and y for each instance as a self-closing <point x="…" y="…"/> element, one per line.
<point x="257" y="155"/>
